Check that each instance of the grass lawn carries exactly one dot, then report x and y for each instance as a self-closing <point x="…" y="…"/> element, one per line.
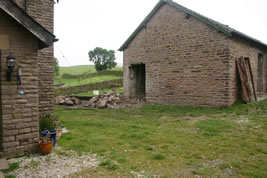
<point x="169" y="141"/>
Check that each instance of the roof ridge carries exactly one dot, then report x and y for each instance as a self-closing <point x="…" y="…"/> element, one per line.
<point x="215" y="24"/>
<point x="225" y="27"/>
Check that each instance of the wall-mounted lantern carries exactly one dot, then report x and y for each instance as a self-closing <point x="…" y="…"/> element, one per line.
<point x="10" y="61"/>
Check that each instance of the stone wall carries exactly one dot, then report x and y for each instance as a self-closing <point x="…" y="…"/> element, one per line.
<point x="242" y="48"/>
<point x="88" y="87"/>
<point x="43" y="12"/>
<point x="1" y="125"/>
<point x="20" y="113"/>
<point x="186" y="61"/>
<point x="90" y="75"/>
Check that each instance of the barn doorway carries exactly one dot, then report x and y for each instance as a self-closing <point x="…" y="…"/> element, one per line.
<point x="138" y="81"/>
<point x="261" y="77"/>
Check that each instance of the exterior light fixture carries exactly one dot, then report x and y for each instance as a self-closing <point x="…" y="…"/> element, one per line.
<point x="10" y="61"/>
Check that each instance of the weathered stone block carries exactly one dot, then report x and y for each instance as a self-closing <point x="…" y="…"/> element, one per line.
<point x="24" y="136"/>
<point x="25" y="130"/>
<point x="7" y="145"/>
<point x="9" y="139"/>
<point x="10" y="132"/>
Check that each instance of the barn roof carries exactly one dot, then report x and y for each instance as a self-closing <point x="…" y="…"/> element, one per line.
<point x="44" y="37"/>
<point x="217" y="25"/>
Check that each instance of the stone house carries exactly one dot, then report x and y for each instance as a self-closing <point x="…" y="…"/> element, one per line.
<point x="26" y="86"/>
<point x="179" y="57"/>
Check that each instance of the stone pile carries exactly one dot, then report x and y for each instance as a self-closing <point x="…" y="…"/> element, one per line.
<point x="106" y="100"/>
<point x="69" y="101"/>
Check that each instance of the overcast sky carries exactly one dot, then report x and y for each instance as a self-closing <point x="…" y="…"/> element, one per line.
<point x="82" y="25"/>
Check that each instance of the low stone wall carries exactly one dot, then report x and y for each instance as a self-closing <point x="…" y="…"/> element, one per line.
<point x="88" y="87"/>
<point x="90" y="75"/>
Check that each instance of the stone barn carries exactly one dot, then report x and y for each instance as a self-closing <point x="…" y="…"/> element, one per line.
<point x="179" y="57"/>
<point x="26" y="68"/>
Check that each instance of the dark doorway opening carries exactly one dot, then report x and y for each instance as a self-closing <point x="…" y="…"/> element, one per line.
<point x="260" y="80"/>
<point x="138" y="81"/>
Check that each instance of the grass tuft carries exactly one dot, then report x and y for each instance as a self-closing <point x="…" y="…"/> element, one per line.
<point x="12" y="166"/>
<point x="109" y="165"/>
<point x="158" y="157"/>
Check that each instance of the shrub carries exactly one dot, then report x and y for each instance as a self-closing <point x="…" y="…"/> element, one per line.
<point x="47" y="123"/>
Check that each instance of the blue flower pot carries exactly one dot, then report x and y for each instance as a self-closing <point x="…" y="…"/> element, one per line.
<point x="53" y="134"/>
<point x="44" y="133"/>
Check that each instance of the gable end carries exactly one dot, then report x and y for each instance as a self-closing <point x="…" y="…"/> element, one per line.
<point x="217" y="25"/>
<point x="44" y="37"/>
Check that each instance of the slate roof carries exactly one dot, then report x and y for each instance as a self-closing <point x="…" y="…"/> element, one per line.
<point x="217" y="25"/>
<point x="44" y="37"/>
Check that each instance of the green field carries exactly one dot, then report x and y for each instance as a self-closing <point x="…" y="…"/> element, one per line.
<point x="83" y="81"/>
<point x="80" y="70"/>
<point x="169" y="141"/>
<point x="76" y="70"/>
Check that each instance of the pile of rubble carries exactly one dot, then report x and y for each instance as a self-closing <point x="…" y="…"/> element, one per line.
<point x="106" y="100"/>
<point x="69" y="101"/>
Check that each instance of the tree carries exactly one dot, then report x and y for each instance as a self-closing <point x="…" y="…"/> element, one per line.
<point x="56" y="67"/>
<point x="104" y="59"/>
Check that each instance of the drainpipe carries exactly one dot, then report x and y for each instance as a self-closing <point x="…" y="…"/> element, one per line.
<point x="25" y="5"/>
<point x="1" y="130"/>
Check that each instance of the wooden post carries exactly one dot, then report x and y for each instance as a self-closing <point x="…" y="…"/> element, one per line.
<point x="252" y="80"/>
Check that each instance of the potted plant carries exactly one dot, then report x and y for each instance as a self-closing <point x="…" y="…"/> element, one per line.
<point x="51" y="134"/>
<point x="46" y="144"/>
<point x="47" y="126"/>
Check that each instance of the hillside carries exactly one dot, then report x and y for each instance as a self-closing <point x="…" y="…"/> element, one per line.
<point x="79" y="76"/>
<point x="76" y="70"/>
<point x="81" y="69"/>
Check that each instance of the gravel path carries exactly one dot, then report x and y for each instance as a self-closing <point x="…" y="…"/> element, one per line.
<point x="59" y="163"/>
